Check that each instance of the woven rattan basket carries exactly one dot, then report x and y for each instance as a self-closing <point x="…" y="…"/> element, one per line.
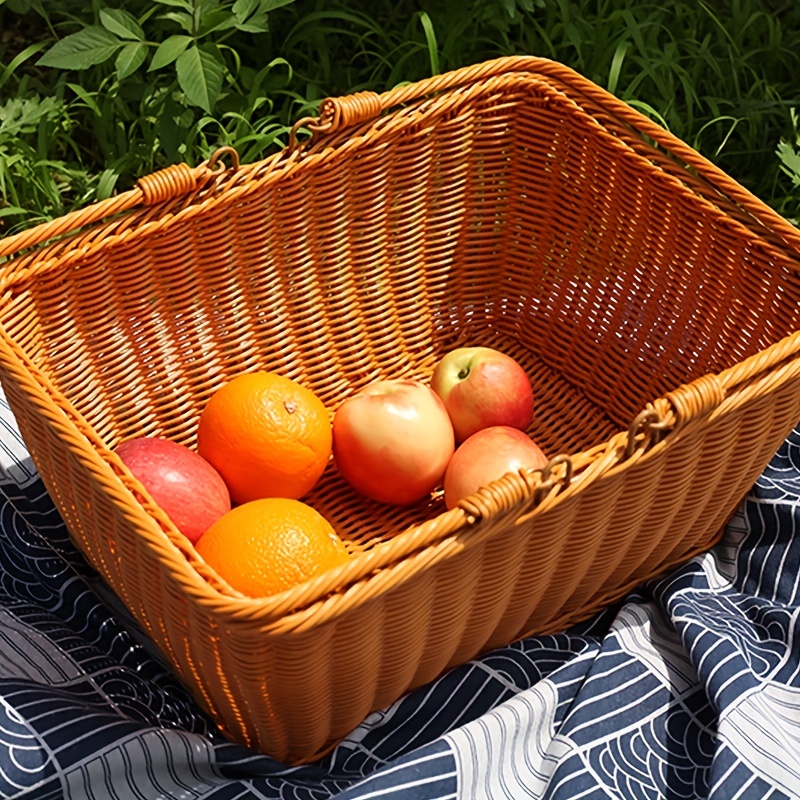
<point x="513" y="204"/>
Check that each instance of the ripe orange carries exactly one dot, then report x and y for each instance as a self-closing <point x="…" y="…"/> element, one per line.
<point x="267" y="436"/>
<point x="267" y="546"/>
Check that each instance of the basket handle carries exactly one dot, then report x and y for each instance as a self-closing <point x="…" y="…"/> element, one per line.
<point x="672" y="411"/>
<point x="515" y="493"/>
<point x="165" y="184"/>
<point x="339" y="113"/>
<point x="700" y="397"/>
<point x="518" y="487"/>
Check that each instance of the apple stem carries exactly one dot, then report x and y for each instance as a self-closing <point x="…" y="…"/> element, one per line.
<point x="463" y="374"/>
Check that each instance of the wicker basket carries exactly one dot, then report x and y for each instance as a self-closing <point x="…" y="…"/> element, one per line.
<point x="512" y="204"/>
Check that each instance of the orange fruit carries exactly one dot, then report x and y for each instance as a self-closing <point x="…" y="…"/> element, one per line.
<point x="267" y="436"/>
<point x="267" y="546"/>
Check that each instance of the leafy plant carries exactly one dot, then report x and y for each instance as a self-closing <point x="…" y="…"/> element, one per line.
<point x="35" y="170"/>
<point x="789" y="154"/>
<point x="196" y="49"/>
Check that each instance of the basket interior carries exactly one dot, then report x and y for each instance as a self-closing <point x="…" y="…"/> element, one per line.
<point x="507" y="217"/>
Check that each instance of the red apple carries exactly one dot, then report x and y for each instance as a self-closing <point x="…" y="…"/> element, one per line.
<point x="182" y="483"/>
<point x="481" y="388"/>
<point x="392" y="441"/>
<point x="486" y="456"/>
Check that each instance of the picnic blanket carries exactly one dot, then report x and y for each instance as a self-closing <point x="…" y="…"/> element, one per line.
<point x="690" y="688"/>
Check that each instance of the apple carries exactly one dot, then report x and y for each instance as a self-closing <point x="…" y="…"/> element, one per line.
<point x="486" y="456"/>
<point x="181" y="482"/>
<point x="482" y="387"/>
<point x="392" y="441"/>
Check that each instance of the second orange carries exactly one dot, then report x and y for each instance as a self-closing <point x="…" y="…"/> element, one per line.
<point x="267" y="435"/>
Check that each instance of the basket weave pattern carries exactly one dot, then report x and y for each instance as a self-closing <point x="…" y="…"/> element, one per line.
<point x="513" y="204"/>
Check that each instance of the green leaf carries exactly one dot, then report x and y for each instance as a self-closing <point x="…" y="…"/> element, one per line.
<point x="271" y="5"/>
<point x="244" y="9"/>
<point x="217" y="20"/>
<point x="168" y="51"/>
<point x="256" y="24"/>
<point x="252" y="14"/>
<point x="86" y="97"/>
<point x="19" y="6"/>
<point x="649" y="111"/>
<point x="9" y="211"/>
<point x="130" y="58"/>
<point x="616" y="65"/>
<point x="790" y="161"/>
<point x="185" y="4"/>
<point x="172" y="124"/>
<point x="430" y="38"/>
<point x="200" y="76"/>
<point x="92" y="45"/>
<point x="24" y="116"/>
<point x="106" y="183"/>
<point x="122" y="23"/>
<point x="186" y="21"/>
<point x="20" y="58"/>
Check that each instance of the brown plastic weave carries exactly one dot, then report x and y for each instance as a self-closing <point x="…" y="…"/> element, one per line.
<point x="514" y="204"/>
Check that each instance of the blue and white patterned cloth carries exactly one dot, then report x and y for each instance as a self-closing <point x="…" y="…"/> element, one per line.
<point x="688" y="689"/>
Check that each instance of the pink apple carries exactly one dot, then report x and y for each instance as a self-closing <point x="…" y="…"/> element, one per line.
<point x="481" y="388"/>
<point x="486" y="456"/>
<point x="181" y="482"/>
<point x="392" y="441"/>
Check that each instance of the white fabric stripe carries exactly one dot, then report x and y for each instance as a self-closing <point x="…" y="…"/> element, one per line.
<point x="158" y="767"/>
<point x="16" y="465"/>
<point x="32" y="744"/>
<point x="424" y="709"/>
<point x="386" y="791"/>
<point x="784" y="556"/>
<point x="424" y="760"/>
<point x="757" y="546"/>
<point x="614" y="712"/>
<point x="715" y="787"/>
<point x="764" y="738"/>
<point x="641" y="637"/>
<point x="768" y="501"/>
<point x="511" y="749"/>
<point x="735" y="657"/>
<point x="38" y="658"/>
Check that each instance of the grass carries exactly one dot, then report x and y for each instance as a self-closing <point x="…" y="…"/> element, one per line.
<point x="720" y="75"/>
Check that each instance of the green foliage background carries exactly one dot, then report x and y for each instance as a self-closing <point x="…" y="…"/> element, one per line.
<point x="95" y="94"/>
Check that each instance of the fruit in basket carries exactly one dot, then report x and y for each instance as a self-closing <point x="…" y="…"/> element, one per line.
<point x="486" y="456"/>
<point x="181" y="482"/>
<point x="392" y="441"/>
<point x="482" y="387"/>
<point x="267" y="546"/>
<point x="267" y="435"/>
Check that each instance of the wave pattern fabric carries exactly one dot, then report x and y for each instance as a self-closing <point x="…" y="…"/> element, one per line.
<point x="688" y="689"/>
